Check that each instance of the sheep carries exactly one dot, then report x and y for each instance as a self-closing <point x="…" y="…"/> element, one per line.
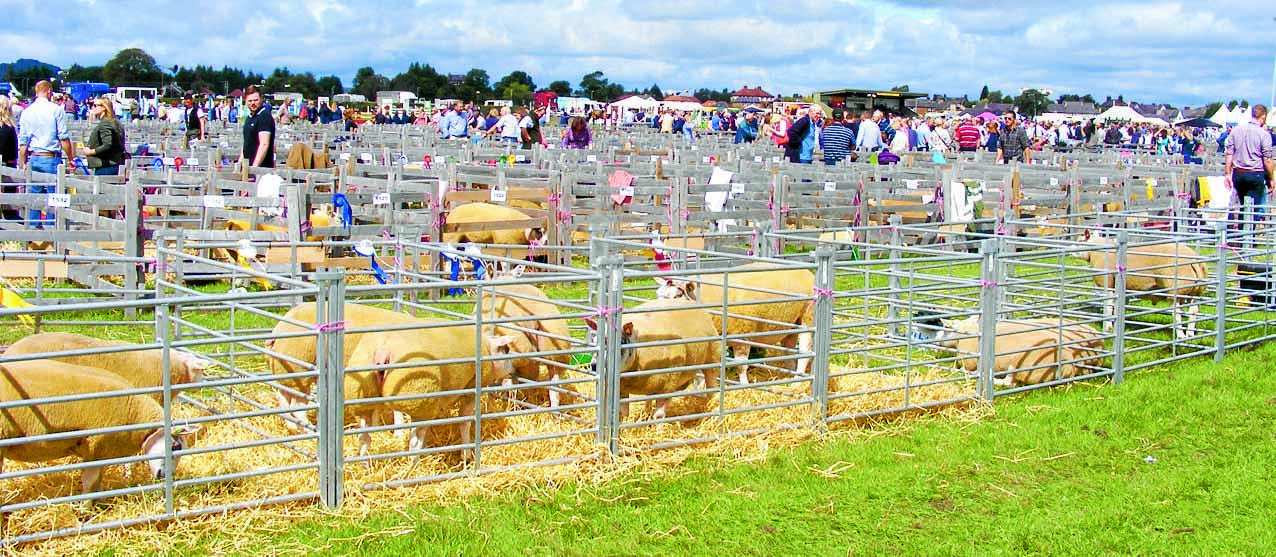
<point x="141" y="368"/>
<point x="521" y="301"/>
<point x="487" y="212"/>
<point x="666" y="325"/>
<point x="357" y="385"/>
<point x="1171" y="272"/>
<point x="39" y="379"/>
<point x="1043" y="348"/>
<point x="742" y="312"/>
<point x="428" y="345"/>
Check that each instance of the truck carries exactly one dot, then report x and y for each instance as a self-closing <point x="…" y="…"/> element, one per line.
<point x="84" y="90"/>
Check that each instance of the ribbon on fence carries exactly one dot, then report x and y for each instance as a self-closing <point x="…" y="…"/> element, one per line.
<point x="331" y="326"/>
<point x="1001" y="213"/>
<point x="366" y="249"/>
<point x="823" y="293"/>
<point x="455" y="263"/>
<point x="339" y="201"/>
<point x="534" y="246"/>
<point x="603" y="311"/>
<point x="988" y="284"/>
<point x="855" y="205"/>
<point x="939" y="202"/>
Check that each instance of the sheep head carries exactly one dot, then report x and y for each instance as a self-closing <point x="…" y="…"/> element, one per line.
<point x="671" y="289"/>
<point x="627" y="353"/>
<point x="182" y="437"/>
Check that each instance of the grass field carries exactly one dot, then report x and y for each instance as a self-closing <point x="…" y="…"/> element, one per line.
<point x="1173" y="462"/>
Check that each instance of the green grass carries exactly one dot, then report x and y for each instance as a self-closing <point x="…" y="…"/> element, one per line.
<point x="1173" y="462"/>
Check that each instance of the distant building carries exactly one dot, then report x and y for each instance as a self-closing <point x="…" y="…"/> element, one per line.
<point x="682" y="98"/>
<point x="751" y="95"/>
<point x="1074" y="108"/>
<point x="455" y="79"/>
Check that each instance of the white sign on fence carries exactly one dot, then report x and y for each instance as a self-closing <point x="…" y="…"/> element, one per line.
<point x="830" y="186"/>
<point x="498" y="196"/>
<point x="59" y="200"/>
<point x="381" y="199"/>
<point x="214" y="201"/>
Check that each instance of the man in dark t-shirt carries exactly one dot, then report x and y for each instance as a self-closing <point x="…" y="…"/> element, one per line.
<point x="259" y="131"/>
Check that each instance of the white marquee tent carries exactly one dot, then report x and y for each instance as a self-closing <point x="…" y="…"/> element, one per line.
<point x="636" y="102"/>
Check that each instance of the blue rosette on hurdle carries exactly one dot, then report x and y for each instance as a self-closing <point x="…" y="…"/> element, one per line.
<point x="157" y="163"/>
<point x="454" y="264"/>
<point x="366" y="249"/>
<point x="340" y="202"/>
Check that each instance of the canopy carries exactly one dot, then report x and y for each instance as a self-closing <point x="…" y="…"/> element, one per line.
<point x="681" y="105"/>
<point x="986" y="116"/>
<point x="637" y="103"/>
<point x="1223" y="116"/>
<point x="1119" y="114"/>
<point x="1197" y="123"/>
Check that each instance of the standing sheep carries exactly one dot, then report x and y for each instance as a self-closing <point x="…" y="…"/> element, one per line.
<point x="429" y="345"/>
<point x="470" y="213"/>
<point x="1044" y="349"/>
<point x="302" y="348"/>
<point x="667" y="325"/>
<point x="1171" y="272"/>
<point x="525" y="301"/>
<point x="744" y="313"/>
<point x="141" y="368"/>
<point x="40" y="379"/>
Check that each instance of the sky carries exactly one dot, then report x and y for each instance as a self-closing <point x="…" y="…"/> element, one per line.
<point x="1183" y="53"/>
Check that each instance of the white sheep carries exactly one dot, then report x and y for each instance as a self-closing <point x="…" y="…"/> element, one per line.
<point x="1044" y="349"/>
<point x="528" y="301"/>
<point x="458" y="378"/>
<point x="357" y="385"/>
<point x="743" y="311"/>
<point x="1171" y="272"/>
<point x="141" y="368"/>
<point x="40" y="379"/>
<point x="674" y="322"/>
<point x="471" y="213"/>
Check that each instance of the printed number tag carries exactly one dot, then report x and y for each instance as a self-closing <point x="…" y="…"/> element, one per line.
<point x="704" y="160"/>
<point x="345" y="156"/>
<point x="214" y="202"/>
<point x="757" y="158"/>
<point x="591" y="158"/>
<point x="381" y="199"/>
<point x="830" y="186"/>
<point x="192" y="162"/>
<point x="775" y="159"/>
<point x="1103" y="180"/>
<point x="365" y="157"/>
<point x="737" y="188"/>
<point x="498" y="196"/>
<point x="168" y="161"/>
<point x="59" y="200"/>
<point x="1054" y="181"/>
<point x="627" y="191"/>
<point x="911" y="184"/>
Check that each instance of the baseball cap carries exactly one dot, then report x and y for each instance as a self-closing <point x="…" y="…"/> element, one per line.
<point x="838" y="114"/>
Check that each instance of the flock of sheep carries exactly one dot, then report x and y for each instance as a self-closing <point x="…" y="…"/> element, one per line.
<point x="424" y="369"/>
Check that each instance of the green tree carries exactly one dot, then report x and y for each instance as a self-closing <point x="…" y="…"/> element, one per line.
<point x="561" y="88"/>
<point x="1211" y="108"/>
<point x="1032" y="102"/>
<point x="367" y="82"/>
<point x="475" y="86"/>
<point x="81" y="73"/>
<point x="655" y="92"/>
<point x="329" y="85"/>
<point x="900" y="88"/>
<point x="520" y="93"/>
<point x="983" y="94"/>
<point x="996" y="97"/>
<point x="132" y="67"/>
<point x="593" y="85"/>
<point x="517" y="76"/>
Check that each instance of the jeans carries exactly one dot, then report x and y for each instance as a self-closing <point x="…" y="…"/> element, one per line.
<point x="47" y="165"/>
<point x="113" y="170"/>
<point x="1252" y="187"/>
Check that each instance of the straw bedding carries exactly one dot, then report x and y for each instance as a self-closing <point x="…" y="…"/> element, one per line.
<point x="789" y="426"/>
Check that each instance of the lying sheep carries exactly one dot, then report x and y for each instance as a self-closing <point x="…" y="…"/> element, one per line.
<point x="1171" y="272"/>
<point x="524" y="301"/>
<point x="141" y="368"/>
<point x="427" y="345"/>
<point x="1045" y="349"/>
<point x="668" y="325"/>
<point x="357" y="385"/>
<point x="39" y="379"/>
<point x="486" y="212"/>
<point x="741" y="318"/>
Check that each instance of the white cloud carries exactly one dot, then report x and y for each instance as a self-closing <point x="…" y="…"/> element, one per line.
<point x="1183" y="52"/>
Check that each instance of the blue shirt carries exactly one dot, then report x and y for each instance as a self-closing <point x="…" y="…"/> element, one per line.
<point x="42" y="126"/>
<point x="453" y="125"/>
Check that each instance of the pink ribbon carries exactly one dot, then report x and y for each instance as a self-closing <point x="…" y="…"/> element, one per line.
<point x="534" y="246"/>
<point x="333" y="326"/>
<point x="604" y="311"/>
<point x="823" y="292"/>
<point x="988" y="283"/>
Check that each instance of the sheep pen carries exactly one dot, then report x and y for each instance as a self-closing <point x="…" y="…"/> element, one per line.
<point x="245" y="454"/>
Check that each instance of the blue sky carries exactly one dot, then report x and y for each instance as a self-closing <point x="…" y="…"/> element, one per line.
<point x="1178" y="52"/>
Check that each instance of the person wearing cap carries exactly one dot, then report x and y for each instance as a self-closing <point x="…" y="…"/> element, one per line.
<point x="196" y="120"/>
<point x="836" y="140"/>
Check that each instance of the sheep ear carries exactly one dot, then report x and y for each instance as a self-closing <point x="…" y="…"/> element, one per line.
<point x="496" y="343"/>
<point x="151" y="441"/>
<point x="627" y="329"/>
<point x="518" y="271"/>
<point x="947" y="323"/>
<point x="591" y="323"/>
<point x="382" y="356"/>
<point x="690" y="288"/>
